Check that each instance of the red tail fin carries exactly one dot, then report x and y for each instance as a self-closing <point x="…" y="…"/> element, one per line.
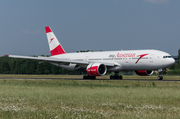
<point x="54" y="45"/>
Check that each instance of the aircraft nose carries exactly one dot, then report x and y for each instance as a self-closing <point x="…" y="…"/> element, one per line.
<point x="171" y="61"/>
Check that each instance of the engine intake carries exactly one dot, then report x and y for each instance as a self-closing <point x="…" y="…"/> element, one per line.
<point x="96" y="69"/>
<point x="144" y="73"/>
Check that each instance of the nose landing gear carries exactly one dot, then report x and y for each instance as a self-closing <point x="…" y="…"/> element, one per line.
<point x="160" y="72"/>
<point x="160" y="77"/>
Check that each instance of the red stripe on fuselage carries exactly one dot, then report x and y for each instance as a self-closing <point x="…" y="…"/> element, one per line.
<point x="141" y="56"/>
<point x="48" y="29"/>
<point x="57" y="51"/>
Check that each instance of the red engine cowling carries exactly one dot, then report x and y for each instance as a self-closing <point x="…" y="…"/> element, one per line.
<point x="96" y="69"/>
<point x="144" y="73"/>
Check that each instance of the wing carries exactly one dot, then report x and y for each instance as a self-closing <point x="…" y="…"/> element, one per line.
<point x="59" y="61"/>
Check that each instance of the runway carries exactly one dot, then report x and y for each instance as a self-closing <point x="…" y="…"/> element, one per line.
<point x="169" y="80"/>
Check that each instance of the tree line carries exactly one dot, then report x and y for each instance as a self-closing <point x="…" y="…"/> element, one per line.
<point x="24" y="66"/>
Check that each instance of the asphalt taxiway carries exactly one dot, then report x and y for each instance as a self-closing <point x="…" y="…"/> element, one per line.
<point x="91" y="79"/>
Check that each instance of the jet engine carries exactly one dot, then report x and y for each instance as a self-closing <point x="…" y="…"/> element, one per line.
<point x="144" y="73"/>
<point x="96" y="69"/>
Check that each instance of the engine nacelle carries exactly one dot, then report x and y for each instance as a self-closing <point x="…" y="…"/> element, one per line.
<point x="144" y="73"/>
<point x="96" y="69"/>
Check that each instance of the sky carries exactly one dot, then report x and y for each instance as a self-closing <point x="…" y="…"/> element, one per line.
<point x="89" y="25"/>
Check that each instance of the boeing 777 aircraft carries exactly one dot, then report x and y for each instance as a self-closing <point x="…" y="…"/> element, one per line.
<point x="143" y="62"/>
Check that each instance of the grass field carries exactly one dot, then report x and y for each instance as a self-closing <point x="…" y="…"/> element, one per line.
<point x="57" y="99"/>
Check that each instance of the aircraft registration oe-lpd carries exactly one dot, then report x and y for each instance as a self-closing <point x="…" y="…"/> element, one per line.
<point x="143" y="62"/>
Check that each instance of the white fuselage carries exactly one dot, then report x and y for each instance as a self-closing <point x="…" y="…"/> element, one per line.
<point x="125" y="60"/>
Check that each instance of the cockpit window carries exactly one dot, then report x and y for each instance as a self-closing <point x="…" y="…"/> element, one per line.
<point x="167" y="56"/>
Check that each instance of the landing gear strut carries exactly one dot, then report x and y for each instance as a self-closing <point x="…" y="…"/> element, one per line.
<point x="160" y="77"/>
<point x="116" y="76"/>
<point x="89" y="77"/>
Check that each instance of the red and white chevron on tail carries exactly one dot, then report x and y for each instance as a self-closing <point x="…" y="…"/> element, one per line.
<point x="54" y="45"/>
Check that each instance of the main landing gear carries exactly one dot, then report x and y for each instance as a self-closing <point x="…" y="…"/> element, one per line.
<point x="116" y="76"/>
<point x="89" y="77"/>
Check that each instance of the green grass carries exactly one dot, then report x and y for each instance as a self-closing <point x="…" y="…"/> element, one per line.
<point x="59" y="99"/>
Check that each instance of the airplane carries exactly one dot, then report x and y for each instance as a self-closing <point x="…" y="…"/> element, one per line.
<point x="143" y="62"/>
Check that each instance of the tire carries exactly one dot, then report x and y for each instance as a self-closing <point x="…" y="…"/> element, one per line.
<point x="120" y="77"/>
<point x="160" y="77"/>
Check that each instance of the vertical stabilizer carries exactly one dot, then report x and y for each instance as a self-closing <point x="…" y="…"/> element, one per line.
<point x="54" y="45"/>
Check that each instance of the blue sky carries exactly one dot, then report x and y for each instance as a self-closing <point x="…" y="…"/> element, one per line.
<point x="89" y="25"/>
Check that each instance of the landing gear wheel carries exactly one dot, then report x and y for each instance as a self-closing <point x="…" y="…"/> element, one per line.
<point x="116" y="77"/>
<point x="120" y="77"/>
<point x="89" y="77"/>
<point x="160" y="77"/>
<point x="93" y="77"/>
